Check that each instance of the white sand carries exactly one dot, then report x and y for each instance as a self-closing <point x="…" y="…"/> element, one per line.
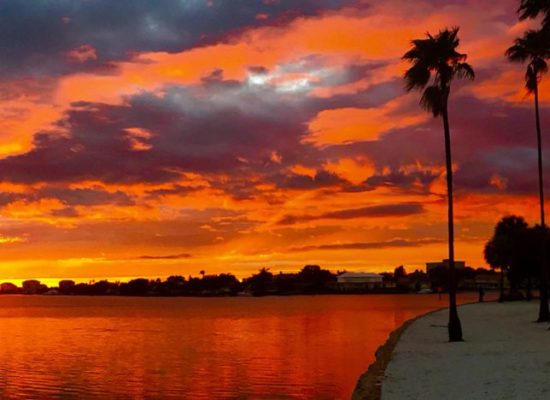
<point x="505" y="356"/>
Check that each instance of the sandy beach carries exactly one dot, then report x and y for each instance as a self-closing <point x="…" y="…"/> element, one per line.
<point x="505" y="355"/>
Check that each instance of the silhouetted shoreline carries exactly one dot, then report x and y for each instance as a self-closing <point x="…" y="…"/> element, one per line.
<point x="310" y="280"/>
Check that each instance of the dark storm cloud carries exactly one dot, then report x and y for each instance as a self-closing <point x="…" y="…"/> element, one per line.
<point x="476" y="126"/>
<point x="401" y="179"/>
<point x="177" y="190"/>
<point x="55" y="159"/>
<point x="34" y="35"/>
<point x="85" y="197"/>
<point x="8" y="198"/>
<point x="305" y="182"/>
<point x="69" y="197"/>
<point x="238" y="130"/>
<point x="219" y="126"/>
<point x="66" y="212"/>
<point x="380" y="211"/>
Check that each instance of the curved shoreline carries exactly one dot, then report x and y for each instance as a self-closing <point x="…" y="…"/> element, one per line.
<point x="369" y="384"/>
<point x="505" y="355"/>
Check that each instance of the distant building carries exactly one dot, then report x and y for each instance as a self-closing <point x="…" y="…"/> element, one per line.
<point x="444" y="263"/>
<point x="359" y="281"/>
<point x="8" y="287"/>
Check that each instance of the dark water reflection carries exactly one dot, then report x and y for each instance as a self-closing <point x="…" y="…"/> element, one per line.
<point x="306" y="347"/>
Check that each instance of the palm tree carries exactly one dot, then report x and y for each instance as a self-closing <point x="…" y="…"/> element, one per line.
<point x="534" y="49"/>
<point x="435" y="63"/>
<point x="532" y="9"/>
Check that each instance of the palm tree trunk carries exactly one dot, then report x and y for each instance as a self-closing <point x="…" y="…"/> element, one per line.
<point x="544" y="312"/>
<point x="454" y="327"/>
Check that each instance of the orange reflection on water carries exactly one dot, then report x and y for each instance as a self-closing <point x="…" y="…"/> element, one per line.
<point x="274" y="347"/>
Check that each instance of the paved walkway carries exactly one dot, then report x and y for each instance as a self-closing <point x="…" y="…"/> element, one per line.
<point x="504" y="356"/>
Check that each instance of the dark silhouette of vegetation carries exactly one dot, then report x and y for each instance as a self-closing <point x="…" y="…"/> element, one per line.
<point x="466" y="278"/>
<point x="435" y="63"/>
<point x="534" y="259"/>
<point x="33" y="286"/>
<point x="534" y="49"/>
<point x="439" y="278"/>
<point x="534" y="8"/>
<point x="311" y="279"/>
<point x="515" y="250"/>
<point x="506" y="251"/>
<point x="490" y="252"/>
<point x="260" y="283"/>
<point x="399" y="272"/>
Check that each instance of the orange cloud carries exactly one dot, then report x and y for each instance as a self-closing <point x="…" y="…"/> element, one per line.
<point x="348" y="125"/>
<point x="355" y="170"/>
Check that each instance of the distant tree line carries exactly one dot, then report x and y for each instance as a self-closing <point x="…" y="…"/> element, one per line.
<point x="311" y="279"/>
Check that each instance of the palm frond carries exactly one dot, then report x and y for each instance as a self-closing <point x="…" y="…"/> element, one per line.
<point x="416" y="77"/>
<point x="435" y="61"/>
<point x="532" y="9"/>
<point x="540" y="66"/>
<point x="465" y="71"/>
<point x="532" y="47"/>
<point x="432" y="100"/>
<point x="518" y="52"/>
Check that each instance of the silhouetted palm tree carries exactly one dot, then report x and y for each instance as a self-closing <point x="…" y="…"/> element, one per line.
<point x="435" y="63"/>
<point x="534" y="49"/>
<point x="532" y="9"/>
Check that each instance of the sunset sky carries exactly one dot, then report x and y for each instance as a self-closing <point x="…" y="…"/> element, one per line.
<point x="156" y="138"/>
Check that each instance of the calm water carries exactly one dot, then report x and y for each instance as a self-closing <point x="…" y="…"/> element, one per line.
<point x="305" y="347"/>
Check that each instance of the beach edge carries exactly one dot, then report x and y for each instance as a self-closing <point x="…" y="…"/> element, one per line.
<point x="369" y="384"/>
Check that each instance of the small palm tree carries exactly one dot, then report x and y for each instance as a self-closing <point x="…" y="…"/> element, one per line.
<point x="534" y="49"/>
<point x="435" y="63"/>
